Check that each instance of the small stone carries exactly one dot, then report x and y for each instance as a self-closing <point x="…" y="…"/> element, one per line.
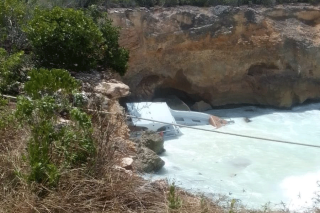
<point x="201" y="106"/>
<point x="126" y="163"/>
<point x="247" y="120"/>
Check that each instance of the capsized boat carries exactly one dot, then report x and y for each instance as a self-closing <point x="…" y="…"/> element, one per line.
<point x="158" y="117"/>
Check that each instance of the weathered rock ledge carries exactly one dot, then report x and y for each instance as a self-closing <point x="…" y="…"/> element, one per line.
<point x="223" y="55"/>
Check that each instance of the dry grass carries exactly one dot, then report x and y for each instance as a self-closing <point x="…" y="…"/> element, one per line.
<point x="99" y="187"/>
<point x="14" y="192"/>
<point x="103" y="189"/>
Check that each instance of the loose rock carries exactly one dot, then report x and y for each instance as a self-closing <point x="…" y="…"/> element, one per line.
<point x="153" y="141"/>
<point x="247" y="120"/>
<point x="148" y="161"/>
<point x="201" y="106"/>
<point x="112" y="90"/>
<point x="126" y="163"/>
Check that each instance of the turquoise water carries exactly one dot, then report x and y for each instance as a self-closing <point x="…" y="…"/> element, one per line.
<point x="254" y="171"/>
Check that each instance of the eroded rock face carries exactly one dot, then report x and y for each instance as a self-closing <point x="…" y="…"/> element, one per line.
<point x="223" y="55"/>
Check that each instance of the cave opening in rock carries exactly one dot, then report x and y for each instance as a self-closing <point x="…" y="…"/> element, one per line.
<point x="168" y="92"/>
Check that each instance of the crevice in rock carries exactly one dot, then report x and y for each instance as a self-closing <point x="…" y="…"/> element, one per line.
<point x="262" y="69"/>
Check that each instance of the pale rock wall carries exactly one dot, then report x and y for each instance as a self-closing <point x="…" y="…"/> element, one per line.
<point x="223" y="55"/>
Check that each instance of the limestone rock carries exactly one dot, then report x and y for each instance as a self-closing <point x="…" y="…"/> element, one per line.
<point x="153" y="141"/>
<point x="201" y="106"/>
<point x="126" y="163"/>
<point x="112" y="90"/>
<point x="160" y="185"/>
<point x="98" y="99"/>
<point x="148" y="145"/>
<point x="98" y="88"/>
<point x="123" y="170"/>
<point x="148" y="161"/>
<point x="224" y="55"/>
<point x="174" y="103"/>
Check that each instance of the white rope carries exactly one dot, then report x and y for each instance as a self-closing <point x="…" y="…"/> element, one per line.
<point x="226" y="133"/>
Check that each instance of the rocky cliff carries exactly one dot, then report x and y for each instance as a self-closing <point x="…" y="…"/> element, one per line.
<point x="223" y="55"/>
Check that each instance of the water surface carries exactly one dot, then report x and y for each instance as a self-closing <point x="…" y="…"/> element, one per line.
<point x="252" y="170"/>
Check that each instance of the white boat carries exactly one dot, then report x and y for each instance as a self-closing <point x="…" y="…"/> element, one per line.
<point x="158" y="117"/>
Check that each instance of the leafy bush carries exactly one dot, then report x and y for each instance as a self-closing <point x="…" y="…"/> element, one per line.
<point x="71" y="39"/>
<point x="173" y="198"/>
<point x="13" y="16"/>
<point x="53" y="145"/>
<point x="44" y="82"/>
<point x="114" y="56"/>
<point x="65" y="38"/>
<point x="6" y="116"/>
<point x="11" y="73"/>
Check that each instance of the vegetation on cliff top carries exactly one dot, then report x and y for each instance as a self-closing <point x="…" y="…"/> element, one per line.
<point x="73" y="39"/>
<point x="200" y="3"/>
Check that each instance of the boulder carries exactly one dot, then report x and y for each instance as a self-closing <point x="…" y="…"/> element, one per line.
<point x="112" y="90"/>
<point x="148" y="146"/>
<point x="147" y="160"/>
<point x="201" y="106"/>
<point x="153" y="141"/>
<point x="174" y="103"/>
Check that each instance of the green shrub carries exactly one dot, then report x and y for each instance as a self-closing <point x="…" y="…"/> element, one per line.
<point x="13" y="16"/>
<point x="75" y="40"/>
<point x="11" y="72"/>
<point x="114" y="56"/>
<point x="6" y="115"/>
<point x="40" y="153"/>
<point x="47" y="82"/>
<point x="173" y="198"/>
<point x="53" y="145"/>
<point x="65" y="38"/>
